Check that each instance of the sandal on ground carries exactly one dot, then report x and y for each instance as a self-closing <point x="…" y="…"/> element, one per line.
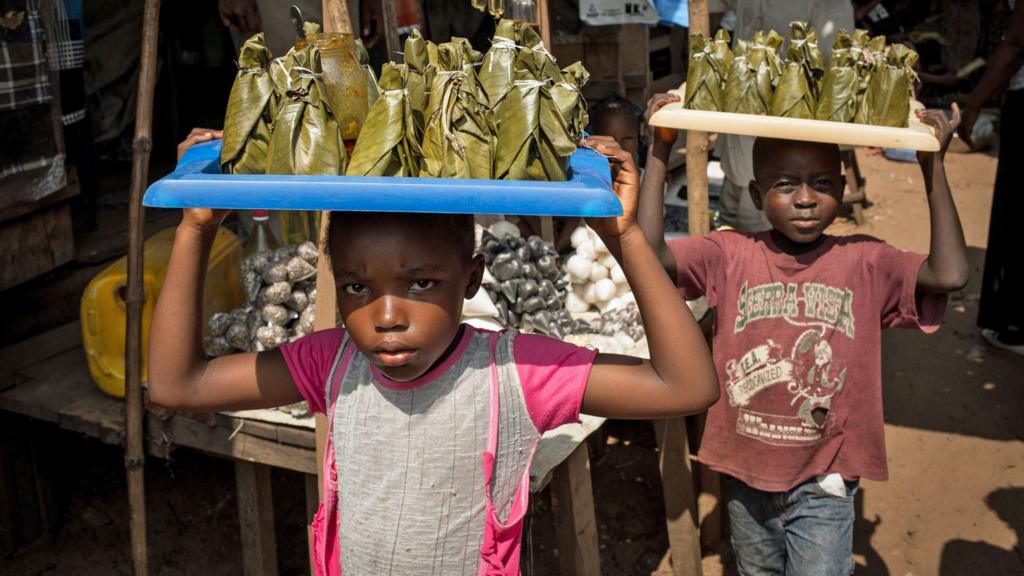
<point x="992" y="337"/>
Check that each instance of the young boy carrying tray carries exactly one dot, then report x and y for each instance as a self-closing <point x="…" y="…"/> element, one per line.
<point x="433" y="423"/>
<point x="797" y="344"/>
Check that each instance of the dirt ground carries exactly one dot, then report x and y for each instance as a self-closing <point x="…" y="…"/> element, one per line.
<point x="954" y="503"/>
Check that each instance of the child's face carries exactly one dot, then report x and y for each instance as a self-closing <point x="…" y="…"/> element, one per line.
<point x="401" y="281"/>
<point x="798" y="185"/>
<point x="623" y="129"/>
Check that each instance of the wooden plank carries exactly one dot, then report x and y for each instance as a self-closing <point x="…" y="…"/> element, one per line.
<point x="572" y="500"/>
<point x="556" y="446"/>
<point x="680" y="498"/>
<point x="222" y="441"/>
<point x="256" y="519"/>
<point x="43" y="390"/>
<point x="916" y="135"/>
<point x="35" y="244"/>
<point x="40" y="348"/>
<point x="312" y="503"/>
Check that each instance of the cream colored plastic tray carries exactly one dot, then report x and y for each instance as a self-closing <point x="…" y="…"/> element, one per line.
<point x="916" y="136"/>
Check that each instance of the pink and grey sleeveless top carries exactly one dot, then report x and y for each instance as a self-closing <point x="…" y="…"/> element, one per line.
<point x="432" y="476"/>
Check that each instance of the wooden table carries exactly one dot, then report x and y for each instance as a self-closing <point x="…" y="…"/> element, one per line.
<point x="46" y="378"/>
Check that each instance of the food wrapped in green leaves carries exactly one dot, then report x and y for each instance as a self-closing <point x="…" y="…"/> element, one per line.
<point x="756" y="66"/>
<point x="568" y="98"/>
<point x="458" y="141"/>
<point x="533" y="61"/>
<point x="871" y="55"/>
<point x="710" y="61"/>
<point x="363" y="56"/>
<point x="534" y="142"/>
<point x="421" y="73"/>
<point x="389" y="144"/>
<point x="891" y="87"/>
<point x="250" y="111"/>
<point x="306" y="138"/>
<point x="796" y="95"/>
<point x="496" y="74"/>
<point x="837" y="100"/>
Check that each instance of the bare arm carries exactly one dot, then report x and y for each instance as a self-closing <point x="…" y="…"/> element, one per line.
<point x="1001" y="66"/>
<point x="180" y="376"/>
<point x="946" y="268"/>
<point x="651" y="209"/>
<point x="680" y="376"/>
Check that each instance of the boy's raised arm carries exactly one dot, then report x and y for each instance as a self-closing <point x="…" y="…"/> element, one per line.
<point x="946" y="269"/>
<point x="680" y="376"/>
<point x="180" y="376"/>
<point x="650" y="214"/>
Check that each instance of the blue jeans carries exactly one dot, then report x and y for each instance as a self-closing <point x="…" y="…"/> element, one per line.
<point x="802" y="532"/>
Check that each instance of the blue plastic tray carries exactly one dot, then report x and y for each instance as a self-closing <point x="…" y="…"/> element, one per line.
<point x="197" y="183"/>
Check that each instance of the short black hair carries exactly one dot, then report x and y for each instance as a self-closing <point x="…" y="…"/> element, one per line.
<point x="459" y="226"/>
<point x="762" y="145"/>
<point x="613" y="106"/>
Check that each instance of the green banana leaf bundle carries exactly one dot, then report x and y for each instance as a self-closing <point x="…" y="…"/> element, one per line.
<point x="534" y="142"/>
<point x="710" y="61"/>
<point x="496" y="74"/>
<point x="421" y="73"/>
<point x="533" y="61"/>
<point x="891" y="87"/>
<point x="389" y="143"/>
<point x="568" y="98"/>
<point x="458" y="141"/>
<point x="796" y="95"/>
<point x="756" y="67"/>
<point x="372" y="90"/>
<point x="250" y="112"/>
<point x="306" y="138"/>
<point x="871" y="57"/>
<point x="838" y="97"/>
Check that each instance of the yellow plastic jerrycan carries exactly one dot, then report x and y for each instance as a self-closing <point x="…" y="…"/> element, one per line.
<point x="103" y="308"/>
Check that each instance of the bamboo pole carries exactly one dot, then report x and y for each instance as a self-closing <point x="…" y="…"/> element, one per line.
<point x="390" y="28"/>
<point x="697" y="143"/>
<point x="134" y="459"/>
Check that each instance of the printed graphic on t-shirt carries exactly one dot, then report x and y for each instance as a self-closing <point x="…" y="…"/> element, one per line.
<point x="804" y="366"/>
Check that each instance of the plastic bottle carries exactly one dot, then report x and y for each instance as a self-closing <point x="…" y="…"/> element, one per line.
<point x="262" y="236"/>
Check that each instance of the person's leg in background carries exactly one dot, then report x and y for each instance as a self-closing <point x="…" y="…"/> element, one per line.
<point x="1001" y="309"/>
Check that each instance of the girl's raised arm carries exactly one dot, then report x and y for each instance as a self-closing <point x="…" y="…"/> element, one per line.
<point x="680" y="377"/>
<point x="180" y="376"/>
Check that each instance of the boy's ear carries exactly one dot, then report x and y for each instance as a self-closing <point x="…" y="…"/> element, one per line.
<point x="476" y="276"/>
<point x="755" y="194"/>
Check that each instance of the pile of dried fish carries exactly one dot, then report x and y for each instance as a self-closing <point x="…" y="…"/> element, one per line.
<point x="280" y="293"/>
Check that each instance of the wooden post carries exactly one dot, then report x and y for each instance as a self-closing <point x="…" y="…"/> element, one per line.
<point x="256" y="519"/>
<point x="135" y="456"/>
<point x="576" y="527"/>
<point x="680" y="497"/>
<point x="543" y="22"/>
<point x="697" y="143"/>
<point x="390" y="27"/>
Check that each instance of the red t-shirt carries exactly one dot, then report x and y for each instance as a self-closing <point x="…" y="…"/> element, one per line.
<point x="797" y="340"/>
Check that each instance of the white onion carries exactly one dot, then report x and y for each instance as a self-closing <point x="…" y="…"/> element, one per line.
<point x="598" y="272"/>
<point x="608" y="261"/>
<point x="590" y="293"/>
<point x="599" y="246"/>
<point x="617" y="275"/>
<point x="604" y="290"/>
<point x="579" y="235"/>
<point x="586" y="249"/>
<point x="579" y="267"/>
